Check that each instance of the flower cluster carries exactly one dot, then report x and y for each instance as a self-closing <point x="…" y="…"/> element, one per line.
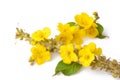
<point x="75" y="34"/>
<point x="68" y="43"/>
<point x="87" y="23"/>
<point x="83" y="26"/>
<point x="88" y="52"/>
<point x="85" y="55"/>
<point x="39" y="54"/>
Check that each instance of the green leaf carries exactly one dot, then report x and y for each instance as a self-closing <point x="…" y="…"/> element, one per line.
<point x="72" y="23"/>
<point x="60" y="67"/>
<point x="100" y="30"/>
<point x="72" y="69"/>
<point x="101" y="36"/>
<point x="67" y="69"/>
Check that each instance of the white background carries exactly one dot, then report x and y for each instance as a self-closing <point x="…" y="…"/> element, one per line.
<point x="31" y="15"/>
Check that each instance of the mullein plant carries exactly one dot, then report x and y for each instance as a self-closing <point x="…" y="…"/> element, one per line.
<point x="68" y="43"/>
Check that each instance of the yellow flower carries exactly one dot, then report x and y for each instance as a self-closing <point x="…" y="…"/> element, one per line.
<point x="78" y="47"/>
<point x="41" y="34"/>
<point x="86" y="57"/>
<point x="64" y="37"/>
<point x="63" y="27"/>
<point x="87" y="54"/>
<point x="92" y="32"/>
<point x="98" y="51"/>
<point x="78" y="35"/>
<point x="91" y="46"/>
<point x="46" y="32"/>
<point x="40" y="54"/>
<point x="67" y="54"/>
<point x="84" y="20"/>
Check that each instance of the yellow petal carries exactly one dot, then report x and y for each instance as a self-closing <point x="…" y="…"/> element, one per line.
<point x="46" y="31"/>
<point x="98" y="51"/>
<point x="39" y="61"/>
<point x="47" y="56"/>
<point x="92" y="32"/>
<point x="92" y="46"/>
<point x="38" y="35"/>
